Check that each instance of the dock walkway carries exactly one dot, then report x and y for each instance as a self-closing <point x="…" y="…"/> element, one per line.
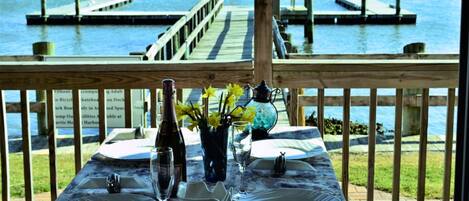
<point x="229" y="38"/>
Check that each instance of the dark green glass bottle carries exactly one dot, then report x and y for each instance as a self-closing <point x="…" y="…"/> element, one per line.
<point x="170" y="135"/>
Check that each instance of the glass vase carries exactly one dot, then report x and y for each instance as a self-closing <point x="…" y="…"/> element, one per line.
<point x="214" y="149"/>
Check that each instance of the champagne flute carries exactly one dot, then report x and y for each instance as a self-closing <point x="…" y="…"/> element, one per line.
<point x="240" y="145"/>
<point x="162" y="172"/>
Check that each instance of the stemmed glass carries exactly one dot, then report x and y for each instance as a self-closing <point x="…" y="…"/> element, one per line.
<point x="162" y="172"/>
<point x="240" y="145"/>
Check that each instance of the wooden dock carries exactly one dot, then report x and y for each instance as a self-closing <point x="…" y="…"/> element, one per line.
<point x="377" y="13"/>
<point x="99" y="12"/>
<point x="229" y="38"/>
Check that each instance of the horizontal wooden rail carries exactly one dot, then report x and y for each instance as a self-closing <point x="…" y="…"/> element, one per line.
<point x="372" y="56"/>
<point x="37" y="107"/>
<point x="122" y="75"/>
<point x="365" y="73"/>
<point x="387" y="100"/>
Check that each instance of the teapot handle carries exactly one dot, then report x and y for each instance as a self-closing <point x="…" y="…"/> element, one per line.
<point x="274" y="92"/>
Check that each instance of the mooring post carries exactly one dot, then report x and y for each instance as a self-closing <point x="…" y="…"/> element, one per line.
<point x="292" y="4"/>
<point x="42" y="48"/>
<point x="309" y="24"/>
<point x="276" y="9"/>
<point x="77" y="9"/>
<point x="43" y="9"/>
<point x="411" y="114"/>
<point x="398" y="7"/>
<point x="363" y="8"/>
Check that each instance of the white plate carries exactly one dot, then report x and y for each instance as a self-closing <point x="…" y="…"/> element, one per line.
<point x="289" y="194"/>
<point x="294" y="149"/>
<point x="138" y="149"/>
<point x="116" y="197"/>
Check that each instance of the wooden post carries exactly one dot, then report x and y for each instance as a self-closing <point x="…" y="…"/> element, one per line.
<point x="301" y="110"/>
<point x="4" y="149"/>
<point x="188" y="49"/>
<point x="42" y="48"/>
<point x="398" y="7"/>
<point x="43" y="9"/>
<point x="411" y="115"/>
<point x="77" y="8"/>
<point x="263" y="41"/>
<point x="309" y="24"/>
<point x="27" y="156"/>
<point x="276" y="9"/>
<point x="363" y="8"/>
<point x="461" y="182"/>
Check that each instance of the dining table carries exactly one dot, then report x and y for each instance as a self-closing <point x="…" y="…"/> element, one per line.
<point x="321" y="178"/>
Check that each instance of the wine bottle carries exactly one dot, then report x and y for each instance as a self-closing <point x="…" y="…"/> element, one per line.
<point x="170" y="135"/>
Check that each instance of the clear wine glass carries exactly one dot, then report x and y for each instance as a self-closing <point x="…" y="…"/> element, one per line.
<point x="162" y="172"/>
<point x="240" y="145"/>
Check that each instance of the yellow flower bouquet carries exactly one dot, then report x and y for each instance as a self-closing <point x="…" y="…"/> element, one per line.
<point x="213" y="126"/>
<point x="226" y="113"/>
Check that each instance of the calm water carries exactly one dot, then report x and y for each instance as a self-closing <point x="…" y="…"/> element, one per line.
<point x="437" y="26"/>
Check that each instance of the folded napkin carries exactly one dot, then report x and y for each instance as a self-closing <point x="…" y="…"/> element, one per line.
<point x="199" y="191"/>
<point x="100" y="182"/>
<point x="268" y="164"/>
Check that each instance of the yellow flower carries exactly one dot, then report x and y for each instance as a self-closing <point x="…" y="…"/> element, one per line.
<point x="214" y="119"/>
<point x="209" y="92"/>
<point x="231" y="101"/>
<point x="181" y="111"/>
<point x="235" y="90"/>
<point x="193" y="124"/>
<point x="237" y="112"/>
<point x="249" y="114"/>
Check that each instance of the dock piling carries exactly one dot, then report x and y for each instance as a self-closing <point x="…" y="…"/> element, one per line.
<point x="363" y="8"/>
<point x="43" y="9"/>
<point x="309" y="24"/>
<point x="411" y="114"/>
<point x="42" y="48"/>
<point x="398" y="7"/>
<point x="77" y="8"/>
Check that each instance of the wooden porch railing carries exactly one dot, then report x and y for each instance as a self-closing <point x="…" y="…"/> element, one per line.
<point x="75" y="76"/>
<point x="349" y="73"/>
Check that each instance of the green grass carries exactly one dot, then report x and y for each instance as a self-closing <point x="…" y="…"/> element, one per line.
<point x="384" y="171"/>
<point x="41" y="179"/>
<point x="358" y="173"/>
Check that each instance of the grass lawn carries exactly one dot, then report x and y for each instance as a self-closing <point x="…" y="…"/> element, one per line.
<point x="65" y="172"/>
<point x="358" y="173"/>
<point x="384" y="171"/>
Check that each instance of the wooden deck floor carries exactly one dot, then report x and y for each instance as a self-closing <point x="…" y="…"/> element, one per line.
<point x="230" y="37"/>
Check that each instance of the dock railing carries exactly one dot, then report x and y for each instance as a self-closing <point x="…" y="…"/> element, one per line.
<point x="346" y="72"/>
<point x="374" y="71"/>
<point x="181" y="38"/>
<point x="293" y="73"/>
